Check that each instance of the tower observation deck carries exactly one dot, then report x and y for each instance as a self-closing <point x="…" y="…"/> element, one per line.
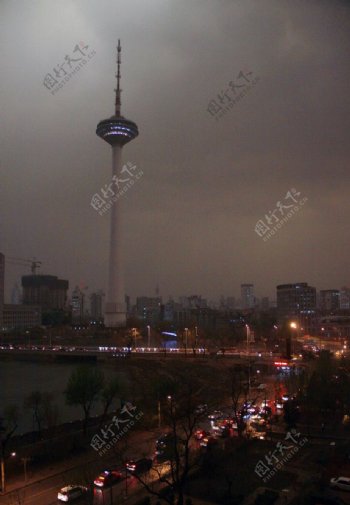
<point x="116" y="131"/>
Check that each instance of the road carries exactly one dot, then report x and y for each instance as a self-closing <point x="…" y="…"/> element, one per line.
<point x="44" y="492"/>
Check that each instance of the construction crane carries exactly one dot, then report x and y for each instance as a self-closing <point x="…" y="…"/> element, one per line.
<point x="33" y="263"/>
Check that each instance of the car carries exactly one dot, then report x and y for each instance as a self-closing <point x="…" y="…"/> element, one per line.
<point x="108" y="477"/>
<point x="225" y="432"/>
<point x="340" y="483"/>
<point x="70" y="493"/>
<point x="165" y="446"/>
<point x="279" y="403"/>
<point x="266" y="411"/>
<point x="217" y="414"/>
<point x="164" y="441"/>
<point x="255" y="430"/>
<point x="140" y="466"/>
<point x="199" y="434"/>
<point x="208" y="441"/>
<point x="253" y="410"/>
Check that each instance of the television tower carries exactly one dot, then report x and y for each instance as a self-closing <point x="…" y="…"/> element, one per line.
<point x="117" y="131"/>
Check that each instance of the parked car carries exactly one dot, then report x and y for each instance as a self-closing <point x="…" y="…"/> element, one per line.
<point x="140" y="466"/>
<point x="107" y="478"/>
<point x="340" y="483"/>
<point x="71" y="493"/>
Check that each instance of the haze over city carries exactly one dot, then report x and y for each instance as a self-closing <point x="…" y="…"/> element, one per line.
<point x="190" y="219"/>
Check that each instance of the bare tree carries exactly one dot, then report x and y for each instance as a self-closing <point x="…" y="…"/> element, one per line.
<point x="236" y="381"/>
<point x="34" y="402"/>
<point x="185" y="391"/>
<point x="9" y="423"/>
<point x="112" y="388"/>
<point x="84" y="387"/>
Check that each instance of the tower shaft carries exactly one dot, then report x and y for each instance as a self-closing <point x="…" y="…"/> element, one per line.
<point x="116" y="131"/>
<point x="115" y="312"/>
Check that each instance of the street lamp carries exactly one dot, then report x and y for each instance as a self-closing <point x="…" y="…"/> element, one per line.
<point x="25" y="460"/>
<point x="294" y="326"/>
<point x="149" y="336"/>
<point x="186" y="335"/>
<point x="248" y="335"/>
<point x="134" y="335"/>
<point x="159" y="418"/>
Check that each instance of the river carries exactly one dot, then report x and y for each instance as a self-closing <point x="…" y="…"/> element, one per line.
<point x="19" y="379"/>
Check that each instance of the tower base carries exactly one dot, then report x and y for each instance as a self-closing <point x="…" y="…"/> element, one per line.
<point x="115" y="317"/>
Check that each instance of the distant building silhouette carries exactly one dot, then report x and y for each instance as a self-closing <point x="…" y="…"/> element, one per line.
<point x="16" y="295"/>
<point x="329" y="300"/>
<point x="97" y="305"/>
<point x="45" y="290"/>
<point x="16" y="316"/>
<point x="21" y="317"/>
<point x="344" y="298"/>
<point x="149" y="308"/>
<point x="247" y="296"/>
<point x="78" y="304"/>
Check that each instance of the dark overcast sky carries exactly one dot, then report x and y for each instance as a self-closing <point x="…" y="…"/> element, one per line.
<point x="190" y="219"/>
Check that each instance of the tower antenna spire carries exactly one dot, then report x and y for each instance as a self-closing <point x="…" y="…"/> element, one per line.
<point x="118" y="90"/>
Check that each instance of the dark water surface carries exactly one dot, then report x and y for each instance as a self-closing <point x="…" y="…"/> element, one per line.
<point x="19" y="379"/>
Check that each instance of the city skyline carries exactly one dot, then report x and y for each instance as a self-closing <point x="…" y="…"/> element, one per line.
<point x="242" y="299"/>
<point x="207" y="182"/>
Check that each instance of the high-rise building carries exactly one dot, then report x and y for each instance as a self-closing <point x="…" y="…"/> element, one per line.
<point x="97" y="305"/>
<point x="329" y="300"/>
<point x="78" y="305"/>
<point x="16" y="295"/>
<point x="2" y="288"/>
<point x="265" y="303"/>
<point x="298" y="302"/>
<point x="344" y="298"/>
<point x="228" y="303"/>
<point x="21" y="317"/>
<point x="247" y="296"/>
<point x="45" y="290"/>
<point x="149" y="308"/>
<point x="116" y="131"/>
<point x="193" y="302"/>
<point x="16" y="316"/>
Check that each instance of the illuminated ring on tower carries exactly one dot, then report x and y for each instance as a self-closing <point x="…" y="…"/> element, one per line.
<point x="117" y="130"/>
